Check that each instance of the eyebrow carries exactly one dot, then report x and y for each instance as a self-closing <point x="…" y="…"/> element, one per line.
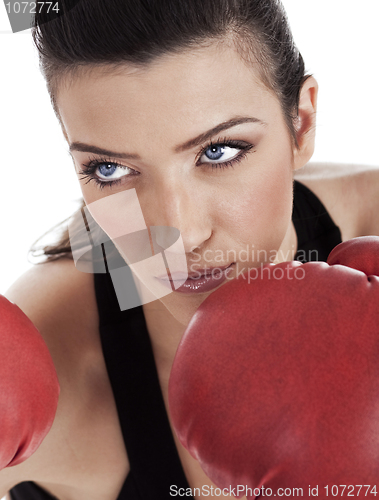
<point x="238" y="120"/>
<point x="196" y="141"/>
<point x="88" y="148"/>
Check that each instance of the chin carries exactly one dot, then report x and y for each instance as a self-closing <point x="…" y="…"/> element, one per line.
<point x="183" y="307"/>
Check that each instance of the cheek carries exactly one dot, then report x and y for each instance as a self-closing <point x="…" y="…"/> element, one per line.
<point x="259" y="211"/>
<point x="90" y="192"/>
<point x="120" y="216"/>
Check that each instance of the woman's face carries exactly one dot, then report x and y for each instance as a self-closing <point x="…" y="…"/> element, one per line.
<point x="204" y="147"/>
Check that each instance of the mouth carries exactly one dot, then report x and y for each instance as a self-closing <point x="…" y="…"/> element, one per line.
<point x="200" y="281"/>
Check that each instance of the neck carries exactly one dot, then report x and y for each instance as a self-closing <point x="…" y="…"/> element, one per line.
<point x="288" y="248"/>
<point x="165" y="333"/>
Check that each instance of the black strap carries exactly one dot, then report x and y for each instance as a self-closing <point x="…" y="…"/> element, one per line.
<point x="154" y="459"/>
<point x="29" y="491"/>
<point x="316" y="232"/>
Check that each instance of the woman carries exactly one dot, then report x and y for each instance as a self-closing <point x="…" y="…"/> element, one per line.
<point x="203" y="109"/>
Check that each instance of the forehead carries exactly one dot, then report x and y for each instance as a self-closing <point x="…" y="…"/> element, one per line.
<point x="177" y="94"/>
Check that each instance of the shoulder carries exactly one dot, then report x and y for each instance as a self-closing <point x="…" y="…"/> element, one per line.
<point x="56" y="292"/>
<point x="61" y="303"/>
<point x="348" y="192"/>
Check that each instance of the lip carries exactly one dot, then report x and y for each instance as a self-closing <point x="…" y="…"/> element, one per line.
<point x="209" y="279"/>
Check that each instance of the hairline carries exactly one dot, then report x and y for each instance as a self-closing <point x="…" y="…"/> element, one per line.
<point x="248" y="47"/>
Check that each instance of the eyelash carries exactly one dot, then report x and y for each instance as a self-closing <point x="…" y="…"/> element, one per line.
<point x="88" y="169"/>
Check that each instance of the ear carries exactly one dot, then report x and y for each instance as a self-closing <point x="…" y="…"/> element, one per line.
<point x="305" y="126"/>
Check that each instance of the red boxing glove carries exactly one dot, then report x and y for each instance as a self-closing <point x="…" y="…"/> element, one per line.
<point x="29" y="387"/>
<point x="276" y="383"/>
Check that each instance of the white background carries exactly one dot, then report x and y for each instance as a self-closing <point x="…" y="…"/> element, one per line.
<point x="339" y="42"/>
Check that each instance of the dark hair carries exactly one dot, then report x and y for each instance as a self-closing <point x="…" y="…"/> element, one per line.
<point x="111" y="33"/>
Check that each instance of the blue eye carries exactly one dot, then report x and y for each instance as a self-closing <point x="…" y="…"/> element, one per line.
<point x="215" y="152"/>
<point x="221" y="153"/>
<point x="105" y="172"/>
<point x="110" y="170"/>
<point x="107" y="169"/>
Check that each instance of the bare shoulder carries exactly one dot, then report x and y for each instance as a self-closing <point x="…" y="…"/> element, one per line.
<point x="56" y="294"/>
<point x="349" y="192"/>
<point x="61" y="302"/>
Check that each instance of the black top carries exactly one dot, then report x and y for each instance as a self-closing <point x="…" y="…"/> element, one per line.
<point x="316" y="233"/>
<point x="153" y="457"/>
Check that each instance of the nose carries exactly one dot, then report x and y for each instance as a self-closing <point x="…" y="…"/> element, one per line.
<point x="183" y="208"/>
